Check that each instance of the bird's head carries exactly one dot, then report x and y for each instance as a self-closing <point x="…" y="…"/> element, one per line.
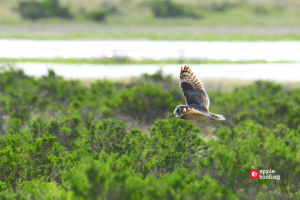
<point x="180" y="110"/>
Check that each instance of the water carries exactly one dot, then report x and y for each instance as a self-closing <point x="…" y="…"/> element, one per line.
<point x="274" y="71"/>
<point x="157" y="50"/>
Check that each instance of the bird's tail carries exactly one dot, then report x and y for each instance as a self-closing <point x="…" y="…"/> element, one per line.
<point x="216" y="117"/>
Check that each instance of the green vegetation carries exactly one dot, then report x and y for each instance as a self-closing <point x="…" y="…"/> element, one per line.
<point x="116" y="140"/>
<point x="108" y="61"/>
<point x="96" y="14"/>
<point x="170" y="9"/>
<point x="165" y="12"/>
<point x="133" y="35"/>
<point x="35" y="10"/>
<point x="99" y="14"/>
<point x="229" y="20"/>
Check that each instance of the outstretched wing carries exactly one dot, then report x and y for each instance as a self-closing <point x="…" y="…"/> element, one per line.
<point x="193" y="89"/>
<point x="192" y="114"/>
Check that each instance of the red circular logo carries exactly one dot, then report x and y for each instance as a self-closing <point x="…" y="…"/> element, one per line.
<point x="254" y="174"/>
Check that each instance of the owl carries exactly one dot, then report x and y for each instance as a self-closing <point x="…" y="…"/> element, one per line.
<point x="197" y="101"/>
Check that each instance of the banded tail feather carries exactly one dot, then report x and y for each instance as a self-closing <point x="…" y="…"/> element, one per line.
<point x="217" y="117"/>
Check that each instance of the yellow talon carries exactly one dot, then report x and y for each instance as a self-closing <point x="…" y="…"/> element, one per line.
<point x="184" y="110"/>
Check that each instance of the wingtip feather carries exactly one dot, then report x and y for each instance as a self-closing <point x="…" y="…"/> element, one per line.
<point x="220" y="117"/>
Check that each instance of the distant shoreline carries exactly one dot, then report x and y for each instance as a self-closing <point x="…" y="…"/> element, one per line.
<point x="191" y="33"/>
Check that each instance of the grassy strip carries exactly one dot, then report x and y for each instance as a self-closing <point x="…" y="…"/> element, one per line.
<point x="129" y="61"/>
<point x="117" y="35"/>
<point x="136" y="12"/>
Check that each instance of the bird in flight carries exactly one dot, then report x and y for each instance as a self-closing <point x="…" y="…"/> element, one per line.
<point x="197" y="101"/>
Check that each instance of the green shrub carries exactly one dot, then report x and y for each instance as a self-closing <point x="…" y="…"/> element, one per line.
<point x="170" y="9"/>
<point x="111" y="177"/>
<point x="24" y="157"/>
<point x="171" y="148"/>
<point x="264" y="102"/>
<point x="56" y="135"/>
<point x="42" y="9"/>
<point x="146" y="103"/>
<point x="114" y="137"/>
<point x="257" y="147"/>
<point x="96" y="14"/>
<point x="107" y="8"/>
<point x="36" y="189"/>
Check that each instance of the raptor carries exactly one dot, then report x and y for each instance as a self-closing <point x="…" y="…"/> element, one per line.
<point x="197" y="101"/>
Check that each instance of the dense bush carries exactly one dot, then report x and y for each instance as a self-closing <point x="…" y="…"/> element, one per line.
<point x="103" y="11"/>
<point x="170" y="9"/>
<point x="42" y="9"/>
<point x="255" y="146"/>
<point x="111" y="177"/>
<point x="96" y="14"/>
<point x="63" y="140"/>
<point x="263" y="102"/>
<point x="221" y="6"/>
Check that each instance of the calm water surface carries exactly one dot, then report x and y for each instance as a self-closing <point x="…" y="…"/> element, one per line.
<point x="158" y="50"/>
<point x="272" y="71"/>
